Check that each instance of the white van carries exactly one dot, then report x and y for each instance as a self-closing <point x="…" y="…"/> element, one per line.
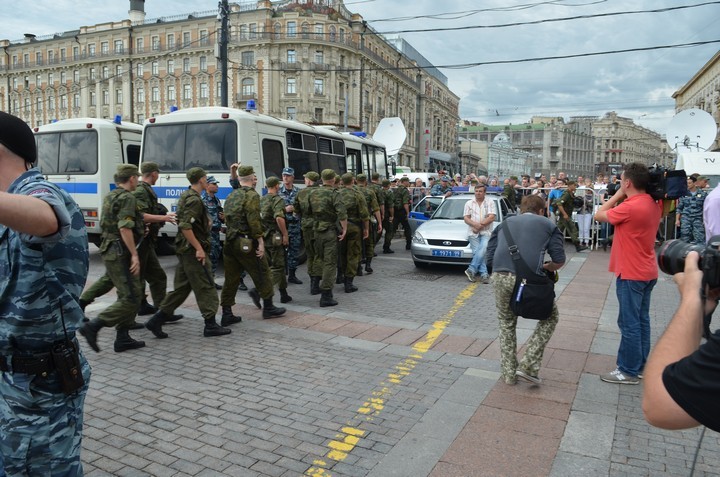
<point x="704" y="163"/>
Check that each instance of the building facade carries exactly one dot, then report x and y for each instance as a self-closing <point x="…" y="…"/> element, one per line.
<point x="619" y="140"/>
<point x="312" y="61"/>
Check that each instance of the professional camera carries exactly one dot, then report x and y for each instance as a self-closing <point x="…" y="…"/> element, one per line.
<point x="671" y="259"/>
<point x="666" y="184"/>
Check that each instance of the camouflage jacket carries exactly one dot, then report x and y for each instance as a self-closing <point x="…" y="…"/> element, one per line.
<point x="192" y="215"/>
<point x="147" y="203"/>
<point x="509" y="194"/>
<point x="379" y="192"/>
<point x="39" y="276"/>
<point x="242" y="213"/>
<point x="402" y="197"/>
<point x="289" y="196"/>
<point x="272" y="207"/>
<point x="355" y="205"/>
<point x="370" y="199"/>
<point x="327" y="208"/>
<point x="120" y="211"/>
<point x="691" y="204"/>
<point x="302" y="206"/>
<point x="214" y="208"/>
<point x="389" y="200"/>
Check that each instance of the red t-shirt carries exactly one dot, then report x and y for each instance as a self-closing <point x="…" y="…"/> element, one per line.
<point x="636" y="221"/>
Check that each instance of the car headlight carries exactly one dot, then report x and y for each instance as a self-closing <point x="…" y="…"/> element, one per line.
<point x="417" y="238"/>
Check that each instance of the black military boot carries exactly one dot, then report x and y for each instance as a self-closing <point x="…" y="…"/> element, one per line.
<point x="228" y="318"/>
<point x="387" y="250"/>
<point x="358" y="272"/>
<point x="213" y="329"/>
<point x="284" y="297"/>
<point x="90" y="332"/>
<point x="155" y="323"/>
<point x="124" y="342"/>
<point x="327" y="298"/>
<point x="270" y="310"/>
<point x="340" y="278"/>
<point x="349" y="287"/>
<point x="315" y="285"/>
<point x="293" y="279"/>
<point x="83" y="304"/>
<point x="255" y="296"/>
<point x="146" y="308"/>
<point x="368" y="268"/>
<point x="173" y="318"/>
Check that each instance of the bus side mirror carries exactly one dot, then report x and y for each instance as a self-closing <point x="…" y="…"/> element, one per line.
<point x="394" y="168"/>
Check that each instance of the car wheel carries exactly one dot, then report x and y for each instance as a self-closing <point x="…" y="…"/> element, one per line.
<point x="420" y="264"/>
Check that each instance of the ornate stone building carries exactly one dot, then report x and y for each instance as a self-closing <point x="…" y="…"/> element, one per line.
<point x="313" y="61"/>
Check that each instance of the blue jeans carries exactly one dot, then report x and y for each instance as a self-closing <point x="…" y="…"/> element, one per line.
<point x="634" y="323"/>
<point x="479" y="246"/>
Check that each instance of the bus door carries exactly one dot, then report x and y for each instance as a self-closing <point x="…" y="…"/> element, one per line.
<point x="273" y="160"/>
<point x="354" y="161"/>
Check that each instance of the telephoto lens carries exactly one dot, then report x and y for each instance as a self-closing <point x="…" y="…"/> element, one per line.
<point x="671" y="256"/>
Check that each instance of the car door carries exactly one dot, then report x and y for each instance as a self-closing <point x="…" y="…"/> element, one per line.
<point x="423" y="210"/>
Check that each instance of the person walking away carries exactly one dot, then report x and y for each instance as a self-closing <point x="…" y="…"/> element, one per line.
<point x="534" y="236"/>
<point x="193" y="273"/>
<point x="479" y="216"/>
<point x="389" y="217"/>
<point x="565" y="205"/>
<point x="42" y="415"/>
<point x="373" y="206"/>
<point x="217" y="216"/>
<point x="307" y="227"/>
<point x="289" y="192"/>
<point x="272" y="214"/>
<point x="632" y="260"/>
<point x="357" y="230"/>
<point x="402" y="210"/>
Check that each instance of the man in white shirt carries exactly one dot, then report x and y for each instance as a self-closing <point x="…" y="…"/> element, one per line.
<point x="479" y="215"/>
<point x="711" y="214"/>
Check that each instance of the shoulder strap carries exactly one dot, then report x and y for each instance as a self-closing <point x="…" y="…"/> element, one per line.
<point x="521" y="268"/>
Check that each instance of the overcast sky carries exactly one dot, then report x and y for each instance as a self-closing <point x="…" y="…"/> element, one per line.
<point x="637" y="85"/>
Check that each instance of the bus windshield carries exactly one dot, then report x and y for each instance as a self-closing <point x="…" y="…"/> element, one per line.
<point x="178" y="147"/>
<point x="73" y="152"/>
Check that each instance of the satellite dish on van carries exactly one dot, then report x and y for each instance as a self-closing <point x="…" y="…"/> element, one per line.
<point x="392" y="133"/>
<point x="691" y="130"/>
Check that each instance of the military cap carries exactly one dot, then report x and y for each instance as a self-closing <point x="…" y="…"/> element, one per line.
<point x="148" y="167"/>
<point x="126" y="171"/>
<point x="212" y="180"/>
<point x="394" y="180"/>
<point x="272" y="181"/>
<point x="288" y="171"/>
<point x="375" y="176"/>
<point x="361" y="178"/>
<point x="404" y="179"/>
<point x="245" y="171"/>
<point x="513" y="178"/>
<point x="385" y="182"/>
<point x="328" y="175"/>
<point x="195" y="174"/>
<point x="17" y="136"/>
<point x="312" y="175"/>
<point x="347" y="178"/>
<point x="701" y="178"/>
<point x="445" y="178"/>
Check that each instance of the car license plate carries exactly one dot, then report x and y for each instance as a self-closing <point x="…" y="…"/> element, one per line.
<point x="447" y="253"/>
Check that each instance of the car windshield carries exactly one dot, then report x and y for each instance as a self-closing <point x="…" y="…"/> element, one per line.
<point x="450" y="209"/>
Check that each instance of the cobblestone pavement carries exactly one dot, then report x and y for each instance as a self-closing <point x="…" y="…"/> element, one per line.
<point x="401" y="378"/>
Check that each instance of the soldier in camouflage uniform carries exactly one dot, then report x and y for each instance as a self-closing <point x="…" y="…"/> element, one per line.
<point x="565" y="205"/>
<point x="389" y="217"/>
<point x="193" y="273"/>
<point x="40" y="425"/>
<point x="375" y="220"/>
<point x="307" y="225"/>
<point x="216" y="215"/>
<point x="358" y="221"/>
<point x="122" y="228"/>
<point x="402" y="210"/>
<point x="533" y="235"/>
<point x="690" y="213"/>
<point x="272" y="213"/>
<point x="509" y="193"/>
<point x="289" y="192"/>
<point x="245" y="248"/>
<point x="376" y="186"/>
<point x="327" y="210"/>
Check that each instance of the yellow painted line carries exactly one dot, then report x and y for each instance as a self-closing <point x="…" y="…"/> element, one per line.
<point x="350" y="435"/>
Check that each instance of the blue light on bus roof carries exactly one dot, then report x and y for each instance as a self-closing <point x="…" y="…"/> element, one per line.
<point x="251" y="106"/>
<point x="54" y="120"/>
<point x="118" y="119"/>
<point x="173" y="108"/>
<point x="359" y="133"/>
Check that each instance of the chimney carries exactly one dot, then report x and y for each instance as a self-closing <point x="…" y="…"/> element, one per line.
<point x="137" y="10"/>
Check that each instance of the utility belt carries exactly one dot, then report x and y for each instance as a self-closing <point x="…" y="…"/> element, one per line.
<point x="63" y="357"/>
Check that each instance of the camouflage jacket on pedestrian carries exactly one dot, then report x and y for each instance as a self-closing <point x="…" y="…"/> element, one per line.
<point x="192" y="215"/>
<point x="326" y="207"/>
<point x="147" y="203"/>
<point x="289" y="196"/>
<point x="214" y="208"/>
<point x="370" y="200"/>
<point x="120" y="211"/>
<point x="438" y="189"/>
<point x="389" y="201"/>
<point x="242" y="214"/>
<point x="379" y="192"/>
<point x="355" y="205"/>
<point x="691" y="205"/>
<point x="402" y="196"/>
<point x="302" y="206"/>
<point x="272" y="207"/>
<point x="509" y="194"/>
<point x="39" y="276"/>
<point x="567" y="202"/>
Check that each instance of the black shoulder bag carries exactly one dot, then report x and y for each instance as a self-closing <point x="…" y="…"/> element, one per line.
<point x="533" y="295"/>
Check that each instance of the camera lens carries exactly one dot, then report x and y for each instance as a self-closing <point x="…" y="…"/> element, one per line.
<point x="671" y="256"/>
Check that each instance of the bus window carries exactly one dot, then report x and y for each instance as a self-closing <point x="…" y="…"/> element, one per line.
<point x="353" y="159"/>
<point x="211" y="146"/>
<point x="302" y="153"/>
<point x="273" y="160"/>
<point x="132" y="154"/>
<point x="165" y="146"/>
<point x="48" y="152"/>
<point x="75" y="152"/>
<point x="332" y="155"/>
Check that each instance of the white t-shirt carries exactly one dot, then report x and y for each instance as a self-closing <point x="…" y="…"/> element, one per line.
<point x="477" y="213"/>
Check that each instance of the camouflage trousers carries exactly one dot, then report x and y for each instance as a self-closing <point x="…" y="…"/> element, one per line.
<point x="295" y="239"/>
<point x="40" y="427"/>
<point x="121" y="314"/>
<point x="191" y="275"/>
<point x="568" y="227"/>
<point x="692" y="230"/>
<point x="350" y="250"/>
<point x="238" y="262"/>
<point x="326" y="253"/>
<point x="314" y="269"/>
<point x="507" y="322"/>
<point x="389" y="232"/>
<point x="276" y="260"/>
<point x="215" y="250"/>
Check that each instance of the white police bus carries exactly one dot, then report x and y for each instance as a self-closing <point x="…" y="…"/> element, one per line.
<point x="81" y="156"/>
<point x="215" y="137"/>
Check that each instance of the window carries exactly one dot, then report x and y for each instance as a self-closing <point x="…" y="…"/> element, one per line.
<point x="187" y="91"/>
<point x="291" y="56"/>
<point x="15" y="82"/>
<point x="140" y="45"/>
<point x="91" y="49"/>
<point x="76" y="100"/>
<point x="291" y="113"/>
<point x="155" y="94"/>
<point x="186" y="38"/>
<point x="171" y="66"/>
<point x="290" y="86"/>
<point x="243" y="32"/>
<point x="104" y="48"/>
<point x="171" y="93"/>
<point x="68" y="152"/>
<point x="38" y="80"/>
<point x="118" y="70"/>
<point x="91" y="74"/>
<point x="218" y="89"/>
<point x="319" y="86"/>
<point x="319" y="57"/>
<point x="76" y="52"/>
<point x="106" y="97"/>
<point x="51" y="56"/>
<point x="204" y="91"/>
<point x="155" y="43"/>
<point x="342" y="61"/>
<point x="63" y="102"/>
<point x="154" y="68"/>
<point x="119" y="46"/>
<point x="140" y="70"/>
<point x="171" y="40"/>
<point x="62" y="55"/>
<point x="93" y="98"/>
<point x="253" y="31"/>
<point x="319" y="31"/>
<point x="332" y="33"/>
<point x="291" y="29"/>
<point x="141" y="95"/>
<point x="105" y="72"/>
<point x="203" y="37"/>
<point x="51" y="103"/>
<point x="38" y="104"/>
<point x="178" y="147"/>
<point x="248" y="58"/>
<point x="305" y="31"/>
<point x="51" y="79"/>
<point x="38" y="58"/>
<point x="63" y="77"/>
<point x="203" y="63"/>
<point x="318" y="115"/>
<point x="186" y="65"/>
<point x="342" y="34"/>
<point x="248" y="87"/>
<point x="118" y="96"/>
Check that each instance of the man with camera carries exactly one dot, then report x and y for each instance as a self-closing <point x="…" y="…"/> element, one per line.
<point x="682" y="377"/>
<point x="632" y="259"/>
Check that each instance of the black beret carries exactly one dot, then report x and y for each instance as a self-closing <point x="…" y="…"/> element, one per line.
<point x="17" y="136"/>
